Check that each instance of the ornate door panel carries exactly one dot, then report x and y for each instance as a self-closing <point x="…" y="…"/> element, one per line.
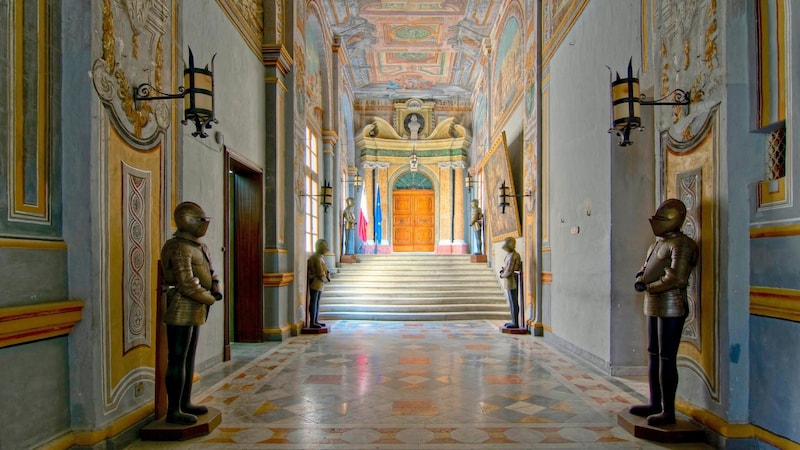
<point x="690" y="173"/>
<point x="413" y="221"/>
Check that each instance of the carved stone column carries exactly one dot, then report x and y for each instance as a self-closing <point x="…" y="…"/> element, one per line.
<point x="279" y="252"/>
<point x="459" y="245"/>
<point x="445" y="209"/>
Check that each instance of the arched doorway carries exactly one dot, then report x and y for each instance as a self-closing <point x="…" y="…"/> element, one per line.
<point x="413" y="213"/>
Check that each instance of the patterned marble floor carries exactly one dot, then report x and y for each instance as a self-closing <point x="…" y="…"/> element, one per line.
<point x="428" y="385"/>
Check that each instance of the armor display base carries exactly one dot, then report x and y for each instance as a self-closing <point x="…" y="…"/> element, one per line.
<point x="348" y="259"/>
<point x="681" y="431"/>
<point x="509" y="330"/>
<point x="477" y="258"/>
<point x="160" y="430"/>
<point x="307" y="330"/>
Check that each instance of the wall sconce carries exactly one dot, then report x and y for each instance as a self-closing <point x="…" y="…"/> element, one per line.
<point x="413" y="160"/>
<point x="626" y="101"/>
<point x="471" y="182"/>
<point x="197" y="92"/>
<point x="325" y="195"/>
<point x="356" y="182"/>
<point x="504" y="196"/>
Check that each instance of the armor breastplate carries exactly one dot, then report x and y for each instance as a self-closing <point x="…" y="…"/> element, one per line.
<point x="666" y="274"/>
<point x="187" y="275"/>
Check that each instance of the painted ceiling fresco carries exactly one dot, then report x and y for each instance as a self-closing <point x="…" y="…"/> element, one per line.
<point x="412" y="48"/>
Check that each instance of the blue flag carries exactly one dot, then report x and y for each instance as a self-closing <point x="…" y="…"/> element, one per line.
<point x="378" y="218"/>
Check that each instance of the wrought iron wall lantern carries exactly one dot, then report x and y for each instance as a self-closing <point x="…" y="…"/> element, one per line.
<point x="626" y="101"/>
<point x="471" y="182"/>
<point x="325" y="195"/>
<point x="197" y="92"/>
<point x="504" y="196"/>
<point x="413" y="160"/>
<point x="356" y="181"/>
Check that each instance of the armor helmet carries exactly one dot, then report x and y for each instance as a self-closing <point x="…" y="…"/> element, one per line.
<point x="475" y="203"/>
<point x="509" y="244"/>
<point x="350" y="201"/>
<point x="190" y="218"/>
<point x="321" y="246"/>
<point x="669" y="217"/>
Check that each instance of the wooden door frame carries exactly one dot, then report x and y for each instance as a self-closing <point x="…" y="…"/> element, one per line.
<point x="236" y="163"/>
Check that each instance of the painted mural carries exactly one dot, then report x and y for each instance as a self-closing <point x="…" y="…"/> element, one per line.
<point x="496" y="171"/>
<point x="312" y="77"/>
<point x="508" y="74"/>
<point x="413" y="48"/>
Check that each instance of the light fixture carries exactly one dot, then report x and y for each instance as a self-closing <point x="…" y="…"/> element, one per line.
<point x="504" y="196"/>
<point x="325" y="195"/>
<point x="197" y="92"/>
<point x="413" y="160"/>
<point x="356" y="182"/>
<point x="471" y="182"/>
<point x="626" y="101"/>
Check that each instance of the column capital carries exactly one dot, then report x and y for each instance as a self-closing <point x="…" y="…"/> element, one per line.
<point x="375" y="165"/>
<point x="330" y="137"/>
<point x="276" y="55"/>
<point x="452" y="165"/>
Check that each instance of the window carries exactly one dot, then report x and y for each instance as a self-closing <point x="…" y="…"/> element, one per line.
<point x="312" y="189"/>
<point x="776" y="154"/>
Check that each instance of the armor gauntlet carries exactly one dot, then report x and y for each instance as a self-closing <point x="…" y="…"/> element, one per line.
<point x="187" y="284"/>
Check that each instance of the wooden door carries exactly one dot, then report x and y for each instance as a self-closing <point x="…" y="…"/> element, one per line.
<point x="413" y="221"/>
<point x="244" y="274"/>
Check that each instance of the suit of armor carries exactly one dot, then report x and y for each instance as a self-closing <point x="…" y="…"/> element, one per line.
<point x="317" y="275"/>
<point x="664" y="279"/>
<point x="477" y="226"/>
<point x="191" y="288"/>
<point x="349" y="224"/>
<point x="508" y="275"/>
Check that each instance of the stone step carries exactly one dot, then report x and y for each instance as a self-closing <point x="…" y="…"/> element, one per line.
<point x="426" y="307"/>
<point x="413" y="316"/>
<point x="405" y="300"/>
<point x="413" y="287"/>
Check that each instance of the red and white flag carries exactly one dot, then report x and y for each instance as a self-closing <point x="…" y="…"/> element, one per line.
<point x="363" y="217"/>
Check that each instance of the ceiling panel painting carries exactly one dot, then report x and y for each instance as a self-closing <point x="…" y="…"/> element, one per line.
<point x="412" y="48"/>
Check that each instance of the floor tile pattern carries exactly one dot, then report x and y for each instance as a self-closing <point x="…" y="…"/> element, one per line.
<point x="432" y="385"/>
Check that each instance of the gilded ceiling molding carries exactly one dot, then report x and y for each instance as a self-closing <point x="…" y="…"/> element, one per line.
<point x="247" y="16"/>
<point x="141" y="125"/>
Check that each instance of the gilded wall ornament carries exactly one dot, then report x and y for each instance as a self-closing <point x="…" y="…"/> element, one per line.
<point x="114" y="74"/>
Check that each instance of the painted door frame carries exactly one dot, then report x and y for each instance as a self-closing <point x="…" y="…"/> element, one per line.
<point x="249" y="329"/>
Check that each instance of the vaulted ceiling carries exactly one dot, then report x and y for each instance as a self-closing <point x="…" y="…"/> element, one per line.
<point x="413" y="48"/>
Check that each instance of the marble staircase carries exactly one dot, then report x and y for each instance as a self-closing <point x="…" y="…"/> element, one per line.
<point x="413" y="287"/>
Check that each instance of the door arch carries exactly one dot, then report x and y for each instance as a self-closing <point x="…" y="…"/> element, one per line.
<point x="414" y="221"/>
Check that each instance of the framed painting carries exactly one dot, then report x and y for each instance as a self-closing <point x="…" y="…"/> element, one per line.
<point x="496" y="171"/>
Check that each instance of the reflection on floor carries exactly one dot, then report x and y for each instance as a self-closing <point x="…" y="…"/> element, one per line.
<point x="427" y="385"/>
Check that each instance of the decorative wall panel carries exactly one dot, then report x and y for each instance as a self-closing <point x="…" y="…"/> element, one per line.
<point x="690" y="171"/>
<point x="136" y="210"/>
<point x="142" y="25"/>
<point x="28" y="75"/>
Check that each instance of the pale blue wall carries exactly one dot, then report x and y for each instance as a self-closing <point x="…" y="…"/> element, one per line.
<point x="774" y="369"/>
<point x="239" y="104"/>
<point x="34" y="393"/>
